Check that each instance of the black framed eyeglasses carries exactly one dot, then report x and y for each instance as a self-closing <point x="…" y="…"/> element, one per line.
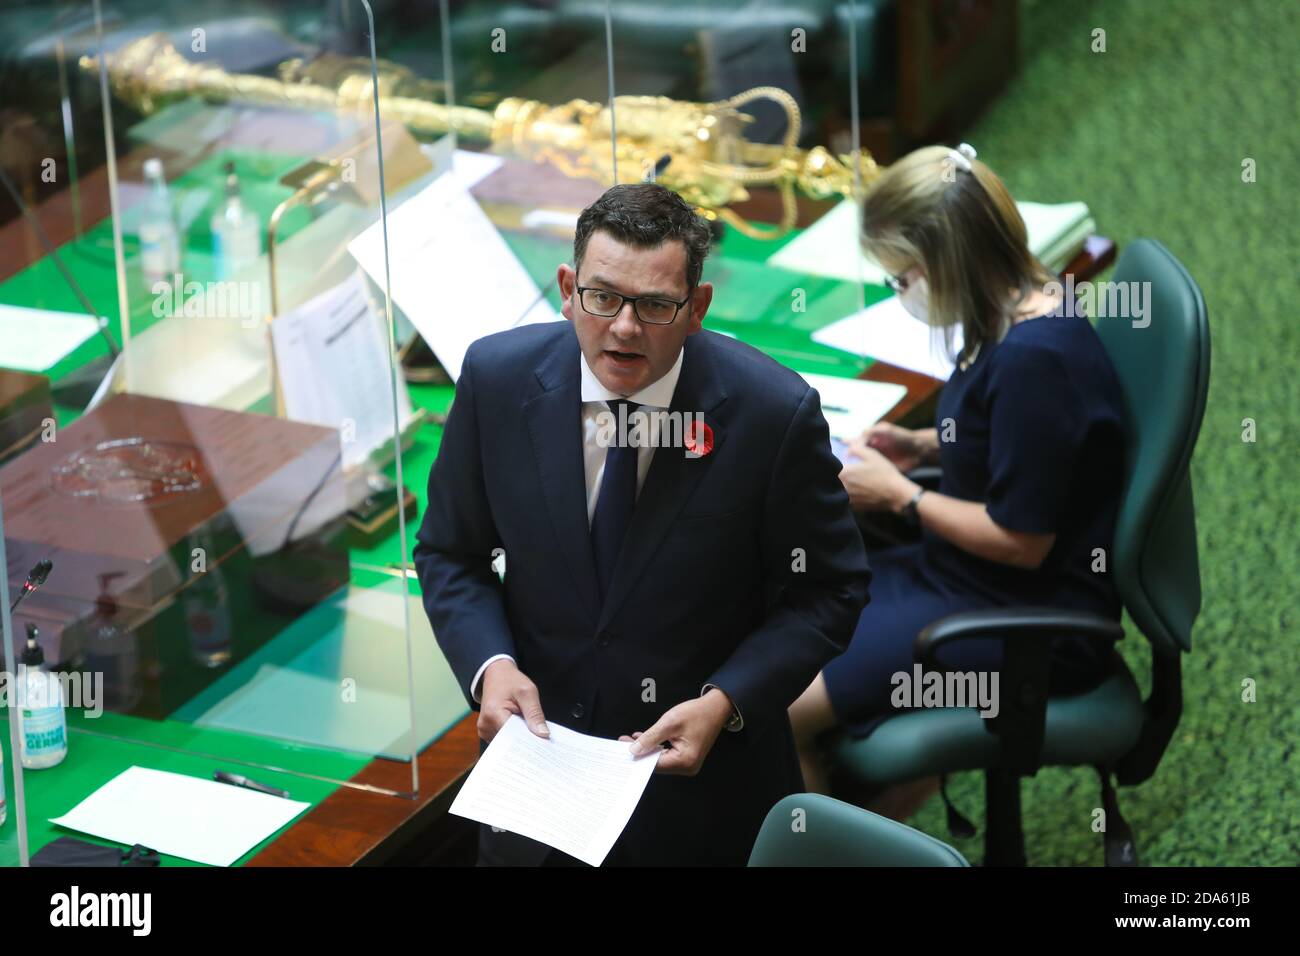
<point x="650" y="309"/>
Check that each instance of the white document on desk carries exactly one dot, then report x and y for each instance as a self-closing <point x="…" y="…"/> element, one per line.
<point x="572" y="792"/>
<point x="851" y="405"/>
<point x="34" y="340"/>
<point x="451" y="273"/>
<point x="886" y="332"/>
<point x="196" y="819"/>
<point x="830" y="247"/>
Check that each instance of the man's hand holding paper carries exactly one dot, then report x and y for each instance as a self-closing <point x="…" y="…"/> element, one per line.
<point x="690" y="729"/>
<point x="506" y="691"/>
<point x="570" y="791"/>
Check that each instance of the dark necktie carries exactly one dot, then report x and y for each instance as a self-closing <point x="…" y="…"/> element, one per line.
<point x="615" y="503"/>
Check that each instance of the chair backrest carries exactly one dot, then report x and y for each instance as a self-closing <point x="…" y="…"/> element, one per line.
<point x="808" y="829"/>
<point x="1163" y="363"/>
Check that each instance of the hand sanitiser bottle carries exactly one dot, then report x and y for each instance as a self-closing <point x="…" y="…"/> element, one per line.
<point x="42" y="724"/>
<point x="160" y="246"/>
<point x="236" y="233"/>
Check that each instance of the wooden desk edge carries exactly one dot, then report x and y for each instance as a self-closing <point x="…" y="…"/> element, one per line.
<point x="357" y="827"/>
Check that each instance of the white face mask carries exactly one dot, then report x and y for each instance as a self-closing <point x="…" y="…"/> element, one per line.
<point x="916" y="299"/>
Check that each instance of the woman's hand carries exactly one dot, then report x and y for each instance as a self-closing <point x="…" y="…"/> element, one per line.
<point x="874" y="483"/>
<point x="904" y="447"/>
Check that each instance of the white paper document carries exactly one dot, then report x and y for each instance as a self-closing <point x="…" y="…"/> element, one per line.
<point x="335" y="370"/>
<point x="830" y="246"/>
<point x="189" y="817"/>
<point x="572" y="792"/>
<point x="451" y="273"/>
<point x="886" y="332"/>
<point x="852" y="405"/>
<point x="34" y="340"/>
<point x="469" y="166"/>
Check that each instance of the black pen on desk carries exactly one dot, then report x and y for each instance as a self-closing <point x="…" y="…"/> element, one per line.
<point x="836" y="408"/>
<point x="235" y="780"/>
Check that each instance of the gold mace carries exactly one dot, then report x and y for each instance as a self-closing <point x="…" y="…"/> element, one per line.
<point x="711" y="161"/>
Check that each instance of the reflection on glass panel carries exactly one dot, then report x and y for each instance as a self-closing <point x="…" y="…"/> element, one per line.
<point x="13" y="818"/>
<point x="747" y="109"/>
<point x="245" y="303"/>
<point x="206" y="420"/>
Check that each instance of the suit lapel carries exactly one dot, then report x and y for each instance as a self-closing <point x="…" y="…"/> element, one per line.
<point x="555" y="427"/>
<point x="672" y="478"/>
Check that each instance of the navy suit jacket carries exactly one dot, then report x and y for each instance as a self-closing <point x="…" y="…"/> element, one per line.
<point x="742" y="568"/>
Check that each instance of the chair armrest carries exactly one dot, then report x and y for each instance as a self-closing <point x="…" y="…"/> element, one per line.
<point x="1019" y="623"/>
<point x="927" y="476"/>
<point x="1026" y="664"/>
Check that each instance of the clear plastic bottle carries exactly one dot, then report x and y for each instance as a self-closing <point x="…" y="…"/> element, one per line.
<point x="160" y="247"/>
<point x="236" y="233"/>
<point x="42" y="723"/>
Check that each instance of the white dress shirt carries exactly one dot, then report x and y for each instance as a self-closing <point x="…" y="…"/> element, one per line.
<point x="595" y="398"/>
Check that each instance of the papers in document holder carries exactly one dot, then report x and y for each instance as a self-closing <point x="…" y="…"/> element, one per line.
<point x="200" y="820"/>
<point x="450" y="271"/>
<point x="572" y="792"/>
<point x="332" y="355"/>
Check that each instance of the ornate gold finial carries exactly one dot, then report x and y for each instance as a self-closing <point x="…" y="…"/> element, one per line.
<point x="710" y="161"/>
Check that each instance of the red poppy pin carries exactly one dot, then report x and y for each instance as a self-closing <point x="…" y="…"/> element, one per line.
<point x="698" y="439"/>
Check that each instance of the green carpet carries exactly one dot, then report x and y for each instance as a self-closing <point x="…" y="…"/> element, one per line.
<point x="1152" y="135"/>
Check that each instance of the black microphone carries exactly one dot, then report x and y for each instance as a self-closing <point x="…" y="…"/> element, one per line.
<point x="35" y="578"/>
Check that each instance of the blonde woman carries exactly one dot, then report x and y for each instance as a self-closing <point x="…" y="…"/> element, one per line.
<point x="1028" y="433"/>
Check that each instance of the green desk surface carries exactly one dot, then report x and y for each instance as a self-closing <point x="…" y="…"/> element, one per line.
<point x="94" y="760"/>
<point x="751" y="301"/>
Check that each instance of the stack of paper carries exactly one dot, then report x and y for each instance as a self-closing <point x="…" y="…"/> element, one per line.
<point x="830" y="247"/>
<point x="1056" y="232"/>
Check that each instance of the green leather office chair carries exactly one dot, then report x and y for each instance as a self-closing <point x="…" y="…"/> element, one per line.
<point x="808" y="829"/>
<point x="1164" y="371"/>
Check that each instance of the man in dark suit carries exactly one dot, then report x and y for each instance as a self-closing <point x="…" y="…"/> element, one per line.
<point x="654" y="594"/>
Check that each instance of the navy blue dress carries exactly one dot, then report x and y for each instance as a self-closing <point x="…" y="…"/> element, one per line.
<point x="1033" y="429"/>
